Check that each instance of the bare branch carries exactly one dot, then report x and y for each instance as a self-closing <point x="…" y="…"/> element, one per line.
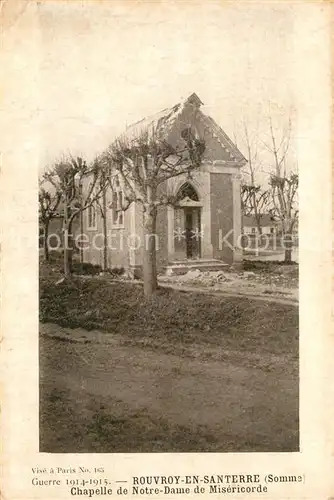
<point x="147" y="161"/>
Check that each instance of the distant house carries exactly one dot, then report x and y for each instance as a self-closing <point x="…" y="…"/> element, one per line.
<point x="268" y="224"/>
<point x="271" y="232"/>
<point x="208" y="210"/>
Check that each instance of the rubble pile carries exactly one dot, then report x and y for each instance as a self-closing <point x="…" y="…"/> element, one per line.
<point x="232" y="280"/>
<point x="205" y="278"/>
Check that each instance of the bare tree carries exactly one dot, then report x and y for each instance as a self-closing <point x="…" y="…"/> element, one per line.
<point x="284" y="193"/>
<point x="103" y="209"/>
<point x="284" y="185"/>
<point x="144" y="165"/>
<point x="68" y="176"/>
<point x="254" y="198"/>
<point x="48" y="206"/>
<point x="255" y="201"/>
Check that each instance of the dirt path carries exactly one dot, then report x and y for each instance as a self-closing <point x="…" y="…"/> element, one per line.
<point x="239" y="293"/>
<point x="164" y="402"/>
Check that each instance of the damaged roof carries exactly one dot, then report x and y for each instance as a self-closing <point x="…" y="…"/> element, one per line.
<point x="165" y="120"/>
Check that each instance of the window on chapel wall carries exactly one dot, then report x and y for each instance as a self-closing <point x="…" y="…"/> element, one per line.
<point x="91" y="217"/>
<point x="188" y="191"/>
<point x="117" y="204"/>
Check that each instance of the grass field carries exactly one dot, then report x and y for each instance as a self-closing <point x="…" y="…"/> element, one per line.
<point x="184" y="372"/>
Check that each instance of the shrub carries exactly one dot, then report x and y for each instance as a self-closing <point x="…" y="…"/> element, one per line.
<point x="56" y="256"/>
<point x="116" y="271"/>
<point x="86" y="268"/>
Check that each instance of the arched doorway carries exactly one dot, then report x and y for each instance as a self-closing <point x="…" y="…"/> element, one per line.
<point x="187" y="223"/>
<point x="187" y="191"/>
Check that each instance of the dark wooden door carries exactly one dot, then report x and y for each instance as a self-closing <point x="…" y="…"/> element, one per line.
<point x="192" y="229"/>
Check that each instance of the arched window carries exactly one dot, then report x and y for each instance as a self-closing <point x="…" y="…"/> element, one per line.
<point x="117" y="203"/>
<point x="91" y="212"/>
<point x="188" y="191"/>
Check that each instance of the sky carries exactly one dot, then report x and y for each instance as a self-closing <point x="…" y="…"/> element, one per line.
<point x="105" y="65"/>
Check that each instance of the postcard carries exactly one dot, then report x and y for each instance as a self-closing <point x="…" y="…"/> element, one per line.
<point x="166" y="253"/>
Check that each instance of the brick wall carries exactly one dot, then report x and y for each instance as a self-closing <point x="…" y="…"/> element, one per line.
<point x="221" y="215"/>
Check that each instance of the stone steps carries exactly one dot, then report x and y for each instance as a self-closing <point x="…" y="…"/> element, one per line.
<point x="183" y="266"/>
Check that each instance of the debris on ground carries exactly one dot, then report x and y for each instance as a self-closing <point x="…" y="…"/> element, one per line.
<point x="198" y="276"/>
<point x="248" y="274"/>
<point x="278" y="280"/>
<point x="59" y="282"/>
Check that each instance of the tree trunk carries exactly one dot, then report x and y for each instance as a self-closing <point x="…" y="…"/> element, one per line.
<point x="45" y="242"/>
<point x="67" y="243"/>
<point x="81" y="231"/>
<point x="70" y="246"/>
<point x="288" y="256"/>
<point x="149" y="252"/>
<point x="105" y="236"/>
<point x="81" y="221"/>
<point x="288" y="244"/>
<point x="258" y="236"/>
<point x="67" y="271"/>
<point x="68" y="250"/>
<point x="256" y="214"/>
<point x="67" y="258"/>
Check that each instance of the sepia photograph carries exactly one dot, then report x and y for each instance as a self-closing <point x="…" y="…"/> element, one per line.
<point x="168" y="214"/>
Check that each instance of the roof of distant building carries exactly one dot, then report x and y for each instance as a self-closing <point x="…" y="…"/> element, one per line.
<point x="266" y="220"/>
